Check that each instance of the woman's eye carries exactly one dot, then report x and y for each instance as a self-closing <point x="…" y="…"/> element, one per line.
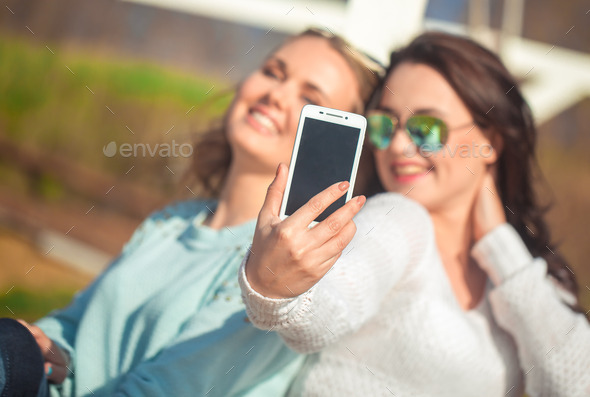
<point x="270" y="72"/>
<point x="310" y="100"/>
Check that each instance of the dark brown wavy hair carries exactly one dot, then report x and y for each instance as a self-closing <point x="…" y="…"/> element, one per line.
<point x="212" y="154"/>
<point x="493" y="98"/>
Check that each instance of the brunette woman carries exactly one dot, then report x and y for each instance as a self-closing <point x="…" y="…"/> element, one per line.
<point x="451" y="286"/>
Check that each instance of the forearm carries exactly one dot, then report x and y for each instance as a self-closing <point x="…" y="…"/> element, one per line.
<point x="393" y="233"/>
<point x="307" y="323"/>
<point x="553" y="341"/>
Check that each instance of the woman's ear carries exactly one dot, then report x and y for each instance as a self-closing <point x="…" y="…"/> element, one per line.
<point x="496" y="145"/>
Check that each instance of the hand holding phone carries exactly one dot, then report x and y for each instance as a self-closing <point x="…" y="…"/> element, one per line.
<point x="287" y="257"/>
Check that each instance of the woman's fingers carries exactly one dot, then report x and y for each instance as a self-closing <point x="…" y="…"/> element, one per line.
<point x="56" y="354"/>
<point x="38" y="334"/>
<point x="286" y="258"/>
<point x="328" y="254"/>
<point x="489" y="180"/>
<point x="274" y="194"/>
<point x="317" y="204"/>
<point x="488" y="210"/>
<point x="335" y="245"/>
<point x="336" y="221"/>
<point x="42" y="340"/>
<point x="55" y="359"/>
<point x="49" y="350"/>
<point x="55" y="373"/>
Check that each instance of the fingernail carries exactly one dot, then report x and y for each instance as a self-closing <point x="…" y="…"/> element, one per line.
<point x="343" y="185"/>
<point x="360" y="200"/>
<point x="49" y="370"/>
<point x="278" y="169"/>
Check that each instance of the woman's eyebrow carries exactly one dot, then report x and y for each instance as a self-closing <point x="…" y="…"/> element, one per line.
<point x="428" y="111"/>
<point x="386" y="109"/>
<point x="311" y="86"/>
<point x="421" y="111"/>
<point x="282" y="65"/>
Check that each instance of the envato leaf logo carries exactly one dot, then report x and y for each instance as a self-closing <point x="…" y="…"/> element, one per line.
<point x="110" y="150"/>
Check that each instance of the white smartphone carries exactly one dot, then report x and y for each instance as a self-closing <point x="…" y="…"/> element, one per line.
<point x="327" y="150"/>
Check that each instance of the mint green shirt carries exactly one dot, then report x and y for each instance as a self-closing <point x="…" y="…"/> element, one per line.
<point x="167" y="319"/>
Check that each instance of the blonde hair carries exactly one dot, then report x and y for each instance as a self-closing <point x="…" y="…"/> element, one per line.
<point x="212" y="155"/>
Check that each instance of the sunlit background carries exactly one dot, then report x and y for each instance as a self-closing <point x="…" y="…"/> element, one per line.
<point x="100" y="100"/>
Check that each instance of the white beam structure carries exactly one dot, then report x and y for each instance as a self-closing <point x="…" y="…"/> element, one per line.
<point x="375" y="26"/>
<point x="555" y="78"/>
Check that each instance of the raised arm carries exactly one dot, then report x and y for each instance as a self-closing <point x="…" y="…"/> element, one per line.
<point x="334" y="301"/>
<point x="553" y="341"/>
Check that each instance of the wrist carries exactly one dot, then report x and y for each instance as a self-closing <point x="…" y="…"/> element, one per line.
<point x="66" y="356"/>
<point x="501" y="253"/>
<point x="257" y="283"/>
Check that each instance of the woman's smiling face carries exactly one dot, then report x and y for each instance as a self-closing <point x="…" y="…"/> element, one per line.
<point x="440" y="179"/>
<point x="262" y="121"/>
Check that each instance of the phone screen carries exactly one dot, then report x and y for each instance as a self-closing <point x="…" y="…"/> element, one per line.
<point x="325" y="156"/>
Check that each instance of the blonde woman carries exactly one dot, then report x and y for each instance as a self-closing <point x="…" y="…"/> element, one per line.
<point x="166" y="318"/>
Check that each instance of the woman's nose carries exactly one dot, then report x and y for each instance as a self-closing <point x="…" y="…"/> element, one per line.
<point x="280" y="95"/>
<point x="401" y="144"/>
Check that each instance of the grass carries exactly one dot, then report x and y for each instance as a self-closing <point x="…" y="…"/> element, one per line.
<point x="31" y="305"/>
<point x="73" y="104"/>
<point x="31" y="283"/>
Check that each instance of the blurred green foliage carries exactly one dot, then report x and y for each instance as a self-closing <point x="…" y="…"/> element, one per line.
<point x="31" y="305"/>
<point x="73" y="104"/>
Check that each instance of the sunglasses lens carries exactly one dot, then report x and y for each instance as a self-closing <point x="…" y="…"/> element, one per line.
<point x="379" y="128"/>
<point x="428" y="133"/>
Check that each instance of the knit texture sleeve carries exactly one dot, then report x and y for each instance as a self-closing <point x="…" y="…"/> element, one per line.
<point x="390" y="238"/>
<point x="553" y="341"/>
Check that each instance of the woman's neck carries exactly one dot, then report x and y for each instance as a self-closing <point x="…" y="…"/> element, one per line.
<point x="453" y="230"/>
<point x="454" y="238"/>
<point x="241" y="198"/>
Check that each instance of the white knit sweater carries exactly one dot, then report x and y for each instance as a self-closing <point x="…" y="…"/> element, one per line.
<point x="386" y="321"/>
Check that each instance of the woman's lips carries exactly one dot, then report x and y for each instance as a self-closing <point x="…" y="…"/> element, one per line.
<point x="262" y="122"/>
<point x="409" y="172"/>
